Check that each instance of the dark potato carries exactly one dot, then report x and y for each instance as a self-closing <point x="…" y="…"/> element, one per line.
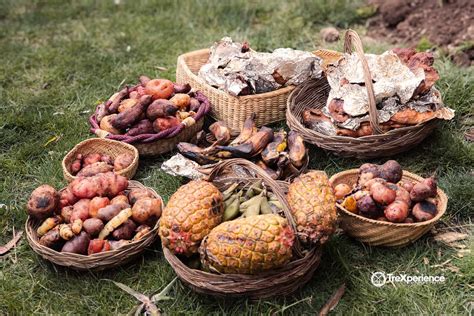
<point x="51" y="239"/>
<point x="367" y="207"/>
<point x="424" y="211"/>
<point x="125" y="231"/>
<point x="391" y="171"/>
<point x="43" y="202"/>
<point x="92" y="226"/>
<point x="77" y="244"/>
<point x="107" y="213"/>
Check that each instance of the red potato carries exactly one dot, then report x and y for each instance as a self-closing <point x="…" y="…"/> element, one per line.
<point x="423" y="190"/>
<point x="142" y="127"/>
<point x="80" y="210"/>
<point x="424" y="211"/>
<point x="136" y="194"/>
<point x="161" y="108"/>
<point x="397" y="211"/>
<point x="95" y="168"/>
<point x="104" y="184"/>
<point x="367" y="185"/>
<point x="120" y="199"/>
<point x="123" y="161"/>
<point x="341" y="190"/>
<point x="66" y="213"/>
<point x="92" y="158"/>
<point x="43" y="202"/>
<point x="125" y="231"/>
<point x="159" y="88"/>
<point x="66" y="197"/>
<point x="146" y="209"/>
<point x="107" y="213"/>
<point x="98" y="245"/>
<point x="382" y="194"/>
<point x="96" y="204"/>
<point x="77" y="244"/>
<point x="164" y="123"/>
<point x="402" y="194"/>
<point x="93" y="226"/>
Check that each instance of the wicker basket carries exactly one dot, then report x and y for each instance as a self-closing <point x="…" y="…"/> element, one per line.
<point x="164" y="141"/>
<point x="282" y="281"/>
<point x="109" y="147"/>
<point x="379" y="233"/>
<point x="270" y="107"/>
<point x="97" y="261"/>
<point x="314" y="93"/>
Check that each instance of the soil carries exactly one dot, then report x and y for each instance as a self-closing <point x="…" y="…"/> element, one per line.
<point x="446" y="24"/>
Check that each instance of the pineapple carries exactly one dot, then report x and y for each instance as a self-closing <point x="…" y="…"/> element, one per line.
<point x="313" y="206"/>
<point x="248" y="245"/>
<point x="192" y="212"/>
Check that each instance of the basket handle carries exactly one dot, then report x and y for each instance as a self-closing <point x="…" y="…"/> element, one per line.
<point x="276" y="189"/>
<point x="352" y="39"/>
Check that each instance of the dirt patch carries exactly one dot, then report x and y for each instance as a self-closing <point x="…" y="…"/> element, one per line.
<point x="448" y="24"/>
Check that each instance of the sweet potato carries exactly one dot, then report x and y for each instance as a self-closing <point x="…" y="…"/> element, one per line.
<point x="95" y="168"/>
<point x="96" y="204"/>
<point x="66" y="213"/>
<point x="146" y="209"/>
<point x="81" y="210"/>
<point x="43" y="202"/>
<point x="142" y="127"/>
<point x="161" y="108"/>
<point x="181" y="87"/>
<point x="116" y="99"/>
<point x="194" y="105"/>
<point x="397" y="211"/>
<point x="132" y="115"/>
<point x="122" y="161"/>
<point x="181" y="100"/>
<point x="423" y="190"/>
<point x="106" y="124"/>
<point x="103" y="184"/>
<point x="136" y="194"/>
<point x="77" y="244"/>
<point x="93" y="226"/>
<point x="120" y="199"/>
<point x="127" y="104"/>
<point x="98" y="245"/>
<point x="424" y="211"/>
<point x="125" y="231"/>
<point x="48" y="224"/>
<point x="51" y="239"/>
<point x="66" y="197"/>
<point x="164" y="123"/>
<point x="92" y="158"/>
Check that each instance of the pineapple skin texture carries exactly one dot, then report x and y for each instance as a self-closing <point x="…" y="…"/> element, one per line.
<point x="191" y="213"/>
<point x="248" y="245"/>
<point x="313" y="206"/>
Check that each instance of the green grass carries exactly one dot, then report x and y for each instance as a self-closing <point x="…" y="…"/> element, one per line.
<point x="58" y="60"/>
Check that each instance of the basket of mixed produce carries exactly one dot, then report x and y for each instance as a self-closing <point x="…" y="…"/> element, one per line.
<point x="99" y="155"/>
<point x="253" y="237"/>
<point x="367" y="105"/>
<point x="95" y="223"/>
<point x="383" y="205"/>
<point x="153" y="115"/>
<point x="240" y="81"/>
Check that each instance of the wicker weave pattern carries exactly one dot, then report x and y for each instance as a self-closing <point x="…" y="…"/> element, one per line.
<point x="109" y="147"/>
<point x="378" y="233"/>
<point x="282" y="281"/>
<point x="97" y="261"/>
<point x="270" y="107"/>
<point x="314" y="93"/>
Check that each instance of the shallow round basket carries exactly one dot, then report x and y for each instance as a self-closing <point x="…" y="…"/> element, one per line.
<point x="379" y="233"/>
<point x="270" y="106"/>
<point x="102" y="146"/>
<point x="98" y="261"/>
<point x="277" y="282"/>
<point x="313" y="94"/>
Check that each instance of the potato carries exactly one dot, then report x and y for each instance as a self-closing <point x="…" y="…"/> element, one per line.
<point x="161" y="108"/>
<point x="66" y="213"/>
<point x="146" y="209"/>
<point x="367" y="207"/>
<point x="406" y="184"/>
<point x="95" y="168"/>
<point x="372" y="181"/>
<point x="402" y="194"/>
<point x="391" y="171"/>
<point x="92" y="158"/>
<point x="364" y="178"/>
<point x="106" y="124"/>
<point x="81" y="210"/>
<point x="96" y="204"/>
<point x="93" y="226"/>
<point x="397" y="211"/>
<point x="122" y="161"/>
<point x="52" y="239"/>
<point x="120" y="199"/>
<point x="103" y="184"/>
<point x="77" y="244"/>
<point x="181" y="100"/>
<point x="66" y="197"/>
<point x="360" y="194"/>
<point x="107" y="213"/>
<point x="75" y="166"/>
<point x="127" y="104"/>
<point x="423" y="190"/>
<point x="136" y="194"/>
<point x="125" y="231"/>
<point x="424" y="211"/>
<point x="143" y="127"/>
<point x="107" y="159"/>
<point x="382" y="194"/>
<point x="341" y="190"/>
<point x="98" y="245"/>
<point x="43" y="202"/>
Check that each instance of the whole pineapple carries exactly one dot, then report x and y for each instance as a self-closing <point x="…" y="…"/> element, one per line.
<point x="248" y="245"/>
<point x="191" y="213"/>
<point x="313" y="206"/>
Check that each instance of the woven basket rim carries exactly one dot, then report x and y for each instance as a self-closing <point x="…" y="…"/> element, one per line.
<point x="115" y="143"/>
<point x="74" y="260"/>
<point x="243" y="98"/>
<point x="440" y="196"/>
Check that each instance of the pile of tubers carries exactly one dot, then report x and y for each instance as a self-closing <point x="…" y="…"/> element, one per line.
<point x="250" y="200"/>
<point x="95" y="163"/>
<point x="381" y="194"/>
<point x="152" y="106"/>
<point x="93" y="214"/>
<point x="280" y="154"/>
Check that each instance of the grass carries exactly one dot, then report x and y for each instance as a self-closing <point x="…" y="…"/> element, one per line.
<point x="59" y="60"/>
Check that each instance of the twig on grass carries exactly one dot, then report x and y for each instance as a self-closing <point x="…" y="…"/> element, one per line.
<point x="333" y="300"/>
<point x="12" y="243"/>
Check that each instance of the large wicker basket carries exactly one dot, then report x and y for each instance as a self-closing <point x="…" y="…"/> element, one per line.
<point x="102" y="146"/>
<point x="270" y="107"/>
<point x="98" y="261"/>
<point x="379" y="233"/>
<point x="279" y="282"/>
<point x="314" y="93"/>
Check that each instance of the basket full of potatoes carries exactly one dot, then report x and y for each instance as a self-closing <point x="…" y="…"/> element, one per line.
<point x="94" y="223"/>
<point x="383" y="205"/>
<point x="154" y="115"/>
